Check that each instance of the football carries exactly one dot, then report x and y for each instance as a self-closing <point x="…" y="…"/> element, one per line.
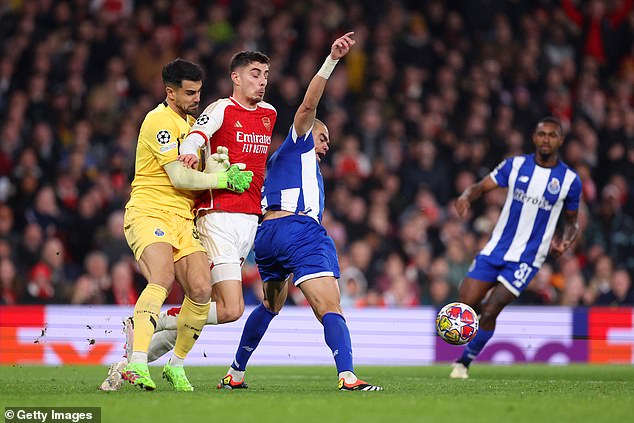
<point x="457" y="323"/>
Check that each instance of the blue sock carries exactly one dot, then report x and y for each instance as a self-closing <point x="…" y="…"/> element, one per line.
<point x="338" y="339"/>
<point x="475" y="346"/>
<point x="253" y="331"/>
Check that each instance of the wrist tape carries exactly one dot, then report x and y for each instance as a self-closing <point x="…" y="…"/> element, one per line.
<point x="327" y="67"/>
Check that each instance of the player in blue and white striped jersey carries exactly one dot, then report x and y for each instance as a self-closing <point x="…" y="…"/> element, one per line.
<point x="540" y="186"/>
<point x="294" y="182"/>
<point x="291" y="238"/>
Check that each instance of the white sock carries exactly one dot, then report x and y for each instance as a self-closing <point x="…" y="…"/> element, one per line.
<point x="168" y="322"/>
<point x="176" y="361"/>
<point x="165" y="322"/>
<point x="348" y="377"/>
<point x="237" y="375"/>
<point x="212" y="317"/>
<point x="162" y="343"/>
<point x="138" y="357"/>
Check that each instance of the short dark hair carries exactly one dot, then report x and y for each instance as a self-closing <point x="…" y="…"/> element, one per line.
<point x="243" y="58"/>
<point x="179" y="70"/>
<point x="553" y="120"/>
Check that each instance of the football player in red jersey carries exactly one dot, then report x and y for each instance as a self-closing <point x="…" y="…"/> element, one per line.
<point x="240" y="126"/>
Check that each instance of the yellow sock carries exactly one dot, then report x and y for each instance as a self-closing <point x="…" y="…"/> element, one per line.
<point x="146" y="312"/>
<point x="191" y="321"/>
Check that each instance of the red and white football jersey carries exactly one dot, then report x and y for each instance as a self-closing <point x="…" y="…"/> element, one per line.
<point x="247" y="134"/>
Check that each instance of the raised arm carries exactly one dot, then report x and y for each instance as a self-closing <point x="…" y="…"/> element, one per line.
<point x="472" y="193"/>
<point x="307" y="111"/>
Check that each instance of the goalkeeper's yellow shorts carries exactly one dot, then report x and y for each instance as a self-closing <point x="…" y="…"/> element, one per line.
<point x="143" y="227"/>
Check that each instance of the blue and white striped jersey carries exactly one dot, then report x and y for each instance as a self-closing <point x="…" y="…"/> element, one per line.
<point x="535" y="199"/>
<point x="293" y="181"/>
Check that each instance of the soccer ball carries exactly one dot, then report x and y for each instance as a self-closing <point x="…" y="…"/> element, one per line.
<point x="457" y="323"/>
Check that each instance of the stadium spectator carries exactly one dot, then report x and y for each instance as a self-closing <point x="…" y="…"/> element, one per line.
<point x="402" y="292"/>
<point x="598" y="26"/>
<point x="442" y="73"/>
<point x="11" y="287"/>
<point x="86" y="291"/>
<point x="40" y="288"/>
<point x="620" y="293"/>
<point x="573" y="292"/>
<point x="59" y="273"/>
<point x="353" y="286"/>
<point x="112" y="241"/>
<point x="123" y="290"/>
<point x="440" y="292"/>
<point x="7" y="227"/>
<point x="599" y="283"/>
<point x="96" y="270"/>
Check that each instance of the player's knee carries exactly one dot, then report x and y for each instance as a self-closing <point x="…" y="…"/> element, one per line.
<point x="199" y="293"/>
<point x="490" y="312"/>
<point x="324" y="308"/>
<point x="273" y="306"/>
<point x="230" y="312"/>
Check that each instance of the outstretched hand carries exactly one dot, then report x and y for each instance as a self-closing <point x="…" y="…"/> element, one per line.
<point x="559" y="246"/>
<point x="462" y="205"/>
<point x="341" y="46"/>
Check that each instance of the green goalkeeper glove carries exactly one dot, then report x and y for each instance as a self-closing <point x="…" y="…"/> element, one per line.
<point x="235" y="178"/>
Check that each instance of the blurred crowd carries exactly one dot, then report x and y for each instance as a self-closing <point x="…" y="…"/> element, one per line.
<point x="430" y="99"/>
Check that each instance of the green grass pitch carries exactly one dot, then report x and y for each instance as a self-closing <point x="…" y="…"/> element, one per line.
<point x="518" y="393"/>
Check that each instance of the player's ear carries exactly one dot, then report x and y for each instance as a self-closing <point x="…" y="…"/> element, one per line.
<point x="169" y="91"/>
<point x="235" y="78"/>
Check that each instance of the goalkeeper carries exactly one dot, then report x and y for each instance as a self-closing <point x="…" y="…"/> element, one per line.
<point x="240" y="126"/>
<point x="159" y="225"/>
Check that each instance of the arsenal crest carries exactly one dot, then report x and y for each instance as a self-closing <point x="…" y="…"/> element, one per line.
<point x="267" y="123"/>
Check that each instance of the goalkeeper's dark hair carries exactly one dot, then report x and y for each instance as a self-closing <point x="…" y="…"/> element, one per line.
<point x="179" y="70"/>
<point x="243" y="58"/>
<point x="553" y="120"/>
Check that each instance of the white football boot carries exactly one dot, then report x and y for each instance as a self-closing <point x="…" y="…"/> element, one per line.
<point x="459" y="371"/>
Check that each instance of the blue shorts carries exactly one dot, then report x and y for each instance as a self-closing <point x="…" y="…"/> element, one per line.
<point x="294" y="244"/>
<point x="513" y="275"/>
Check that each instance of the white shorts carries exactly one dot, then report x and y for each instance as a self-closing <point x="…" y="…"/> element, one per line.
<point x="228" y="239"/>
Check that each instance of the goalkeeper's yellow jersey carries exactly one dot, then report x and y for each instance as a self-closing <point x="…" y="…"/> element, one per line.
<point x="161" y="133"/>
